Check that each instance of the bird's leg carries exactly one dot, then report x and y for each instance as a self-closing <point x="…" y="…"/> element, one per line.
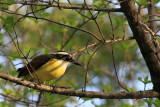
<point x="53" y="86"/>
<point x="37" y="82"/>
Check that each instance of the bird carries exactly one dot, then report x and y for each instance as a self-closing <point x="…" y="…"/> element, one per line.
<point x="47" y="67"/>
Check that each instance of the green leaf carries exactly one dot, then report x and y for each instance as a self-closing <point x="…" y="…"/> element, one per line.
<point x="141" y="2"/>
<point x="149" y="81"/>
<point x="117" y="21"/>
<point x="5" y="104"/>
<point x="10" y="1"/>
<point x="70" y="45"/>
<point x="13" y="73"/>
<point x="148" y="101"/>
<point x="99" y="3"/>
<point x="156" y="1"/>
<point x="34" y="20"/>
<point x="87" y="58"/>
<point x="102" y="13"/>
<point x="94" y="1"/>
<point x="4" y="6"/>
<point x="1" y="17"/>
<point x="3" y="89"/>
<point x="1" y="36"/>
<point x="72" y="84"/>
<point x="33" y="91"/>
<point x="140" y="79"/>
<point x="96" y="68"/>
<point x="129" y="89"/>
<point x="108" y="88"/>
<point x="46" y="51"/>
<point x="1" y="66"/>
<point x="26" y="48"/>
<point x="59" y="46"/>
<point x="86" y="99"/>
<point x="13" y="55"/>
<point x="137" y="2"/>
<point x="157" y="102"/>
<point x="9" y="20"/>
<point x="45" y="14"/>
<point x="146" y="79"/>
<point x="126" y="105"/>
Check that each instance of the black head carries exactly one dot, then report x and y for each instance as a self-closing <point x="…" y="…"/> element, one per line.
<point x="65" y="57"/>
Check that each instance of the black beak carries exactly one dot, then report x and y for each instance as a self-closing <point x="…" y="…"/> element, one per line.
<point x="76" y="63"/>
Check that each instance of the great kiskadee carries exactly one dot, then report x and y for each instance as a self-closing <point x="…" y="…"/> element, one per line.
<point x="47" y="67"/>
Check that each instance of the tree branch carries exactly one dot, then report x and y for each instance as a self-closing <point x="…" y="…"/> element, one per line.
<point x="82" y="7"/>
<point x="87" y="94"/>
<point x="105" y="42"/>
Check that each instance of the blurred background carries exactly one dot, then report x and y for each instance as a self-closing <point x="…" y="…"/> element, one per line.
<point x="30" y="30"/>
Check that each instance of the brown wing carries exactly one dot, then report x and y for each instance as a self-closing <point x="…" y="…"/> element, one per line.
<point x="36" y="63"/>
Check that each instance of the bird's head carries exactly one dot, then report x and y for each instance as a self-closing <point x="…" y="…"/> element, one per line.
<point x="66" y="57"/>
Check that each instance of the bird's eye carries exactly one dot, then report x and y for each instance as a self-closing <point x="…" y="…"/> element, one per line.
<point x="68" y="58"/>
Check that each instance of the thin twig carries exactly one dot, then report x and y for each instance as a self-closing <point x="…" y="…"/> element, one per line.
<point x="148" y="29"/>
<point x="116" y="70"/>
<point x="39" y="99"/>
<point x="38" y="18"/>
<point x="106" y="42"/>
<point x="67" y="7"/>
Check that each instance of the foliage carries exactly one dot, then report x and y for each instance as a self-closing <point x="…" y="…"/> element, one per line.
<point x="145" y="81"/>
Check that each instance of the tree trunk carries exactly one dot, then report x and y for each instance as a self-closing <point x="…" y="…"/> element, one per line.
<point x="146" y="45"/>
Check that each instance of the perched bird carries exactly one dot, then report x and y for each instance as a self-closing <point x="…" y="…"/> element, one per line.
<point x="47" y="67"/>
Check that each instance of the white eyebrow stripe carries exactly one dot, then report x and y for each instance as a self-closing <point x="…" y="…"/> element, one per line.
<point x="63" y="53"/>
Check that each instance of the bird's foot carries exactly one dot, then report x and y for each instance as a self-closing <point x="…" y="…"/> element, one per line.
<point x="37" y="82"/>
<point x="53" y="88"/>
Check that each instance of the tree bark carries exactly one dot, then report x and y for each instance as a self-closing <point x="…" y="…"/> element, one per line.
<point x="78" y="93"/>
<point x="153" y="25"/>
<point x="145" y="44"/>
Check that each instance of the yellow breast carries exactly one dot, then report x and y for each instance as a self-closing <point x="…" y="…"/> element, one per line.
<point x="53" y="69"/>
